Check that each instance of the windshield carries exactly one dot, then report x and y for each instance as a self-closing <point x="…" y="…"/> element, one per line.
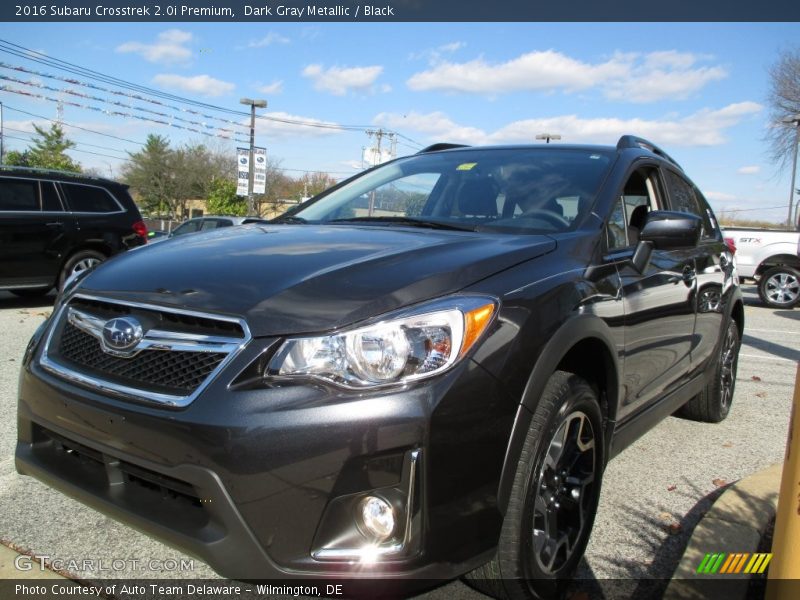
<point x="504" y="189"/>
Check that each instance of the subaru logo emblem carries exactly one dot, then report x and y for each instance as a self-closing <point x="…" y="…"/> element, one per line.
<point x="122" y="333"/>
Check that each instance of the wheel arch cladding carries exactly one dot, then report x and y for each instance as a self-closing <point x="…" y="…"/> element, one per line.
<point x="582" y="346"/>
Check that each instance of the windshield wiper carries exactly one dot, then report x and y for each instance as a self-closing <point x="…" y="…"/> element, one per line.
<point x="405" y="221"/>
<point x="289" y="219"/>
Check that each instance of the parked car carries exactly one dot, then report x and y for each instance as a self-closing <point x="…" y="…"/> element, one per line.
<point x="771" y="257"/>
<point x="210" y="222"/>
<point x="54" y="225"/>
<point x="421" y="373"/>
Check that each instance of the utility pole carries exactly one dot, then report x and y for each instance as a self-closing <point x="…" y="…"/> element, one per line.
<point x="251" y="204"/>
<point x="793" y="120"/>
<point x="1" y="133"/>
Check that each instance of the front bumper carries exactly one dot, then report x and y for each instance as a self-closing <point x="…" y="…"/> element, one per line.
<point x="257" y="482"/>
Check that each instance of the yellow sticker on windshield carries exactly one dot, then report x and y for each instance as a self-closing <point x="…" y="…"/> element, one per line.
<point x="465" y="166"/>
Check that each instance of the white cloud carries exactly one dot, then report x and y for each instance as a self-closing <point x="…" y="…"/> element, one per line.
<point x="749" y="170"/>
<point x="169" y="47"/>
<point x="702" y="128"/>
<point x="630" y="77"/>
<point x="276" y="87"/>
<point x="434" y="55"/>
<point x="340" y="80"/>
<point x="268" y="40"/>
<point x="203" y="85"/>
<point x="275" y="126"/>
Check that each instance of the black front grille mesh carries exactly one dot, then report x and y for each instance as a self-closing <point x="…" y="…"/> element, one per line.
<point x="170" y="372"/>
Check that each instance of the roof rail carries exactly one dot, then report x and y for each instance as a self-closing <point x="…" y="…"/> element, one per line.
<point x="441" y="146"/>
<point x="53" y="172"/>
<point x="631" y="141"/>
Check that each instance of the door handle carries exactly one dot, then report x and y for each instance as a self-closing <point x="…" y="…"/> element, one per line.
<point x="55" y="225"/>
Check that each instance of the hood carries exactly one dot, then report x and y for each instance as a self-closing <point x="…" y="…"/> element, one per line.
<point x="293" y="279"/>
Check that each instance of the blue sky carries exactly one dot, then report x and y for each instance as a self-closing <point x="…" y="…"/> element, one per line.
<point x="698" y="90"/>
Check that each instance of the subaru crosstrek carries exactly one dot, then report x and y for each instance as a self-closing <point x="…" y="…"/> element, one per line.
<point x="420" y="373"/>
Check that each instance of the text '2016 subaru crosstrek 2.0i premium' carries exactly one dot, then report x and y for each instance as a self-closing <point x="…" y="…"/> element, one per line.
<point x="420" y="373"/>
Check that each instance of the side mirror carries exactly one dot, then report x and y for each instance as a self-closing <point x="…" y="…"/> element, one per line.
<point x="670" y="229"/>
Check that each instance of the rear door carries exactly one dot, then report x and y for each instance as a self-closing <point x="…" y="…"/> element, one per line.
<point x="713" y="264"/>
<point x="35" y="233"/>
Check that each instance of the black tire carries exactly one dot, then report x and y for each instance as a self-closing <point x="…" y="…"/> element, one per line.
<point x="779" y="287"/>
<point x="553" y="498"/>
<point x="31" y="292"/>
<point x="81" y="260"/>
<point x="713" y="404"/>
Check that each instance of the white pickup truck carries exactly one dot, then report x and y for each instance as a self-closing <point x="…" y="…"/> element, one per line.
<point x="772" y="258"/>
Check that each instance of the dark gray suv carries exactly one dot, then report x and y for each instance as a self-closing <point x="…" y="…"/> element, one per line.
<point x="54" y="225"/>
<point x="419" y="374"/>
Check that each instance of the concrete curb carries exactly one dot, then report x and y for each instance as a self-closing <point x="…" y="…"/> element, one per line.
<point x="9" y="569"/>
<point x="734" y="523"/>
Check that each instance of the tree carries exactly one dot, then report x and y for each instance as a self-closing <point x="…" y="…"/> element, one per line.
<point x="166" y="178"/>
<point x="15" y="158"/>
<point x="784" y="101"/>
<point x="47" y="152"/>
<point x="149" y="173"/>
<point x="222" y="199"/>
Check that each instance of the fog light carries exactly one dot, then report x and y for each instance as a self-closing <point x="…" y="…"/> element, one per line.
<point x="377" y="517"/>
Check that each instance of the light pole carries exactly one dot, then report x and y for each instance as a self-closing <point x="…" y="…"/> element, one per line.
<point x="251" y="205"/>
<point x="548" y="136"/>
<point x="795" y="121"/>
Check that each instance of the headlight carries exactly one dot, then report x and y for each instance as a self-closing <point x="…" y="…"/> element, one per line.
<point x="405" y="348"/>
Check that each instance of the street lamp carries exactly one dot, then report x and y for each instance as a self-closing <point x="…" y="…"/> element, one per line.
<point x="251" y="206"/>
<point x="548" y="137"/>
<point x="795" y="121"/>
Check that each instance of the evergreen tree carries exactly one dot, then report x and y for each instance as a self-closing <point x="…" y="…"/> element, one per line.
<point x="47" y="152"/>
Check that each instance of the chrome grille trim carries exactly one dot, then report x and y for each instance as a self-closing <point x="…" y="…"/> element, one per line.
<point x="154" y="339"/>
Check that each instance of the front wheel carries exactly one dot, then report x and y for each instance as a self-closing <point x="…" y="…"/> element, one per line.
<point x="554" y="495"/>
<point x="779" y="287"/>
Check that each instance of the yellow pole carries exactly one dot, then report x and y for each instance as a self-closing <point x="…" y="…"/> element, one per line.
<point x="786" y="541"/>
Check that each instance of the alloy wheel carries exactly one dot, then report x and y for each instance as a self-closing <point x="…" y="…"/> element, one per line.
<point x="566" y="484"/>
<point x="727" y="367"/>
<point x="782" y="288"/>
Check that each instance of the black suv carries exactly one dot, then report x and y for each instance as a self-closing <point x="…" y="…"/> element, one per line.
<point x="420" y="373"/>
<point x="54" y="225"/>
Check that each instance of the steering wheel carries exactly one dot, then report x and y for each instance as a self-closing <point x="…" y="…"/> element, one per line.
<point x="546" y="215"/>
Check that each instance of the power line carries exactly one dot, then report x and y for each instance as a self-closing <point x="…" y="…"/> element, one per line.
<point x="78" y="143"/>
<point x="9" y="89"/>
<point x="28" y="139"/>
<point x="38" y="57"/>
<point x="30" y="114"/>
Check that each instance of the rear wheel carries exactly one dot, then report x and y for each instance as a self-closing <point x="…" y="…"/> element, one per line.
<point x="779" y="287"/>
<point x="554" y="495"/>
<point x="79" y="262"/>
<point x="714" y="402"/>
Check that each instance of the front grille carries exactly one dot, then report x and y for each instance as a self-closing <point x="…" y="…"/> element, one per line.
<point x="175" y="354"/>
<point x="170" y="372"/>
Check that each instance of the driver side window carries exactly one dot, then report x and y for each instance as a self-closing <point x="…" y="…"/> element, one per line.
<point x="639" y="196"/>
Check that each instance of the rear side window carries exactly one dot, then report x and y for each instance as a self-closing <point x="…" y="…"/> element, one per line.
<point x="91" y="199"/>
<point x="683" y="198"/>
<point x="19" y="195"/>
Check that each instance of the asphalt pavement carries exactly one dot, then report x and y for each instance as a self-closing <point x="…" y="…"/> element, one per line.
<point x="653" y="496"/>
